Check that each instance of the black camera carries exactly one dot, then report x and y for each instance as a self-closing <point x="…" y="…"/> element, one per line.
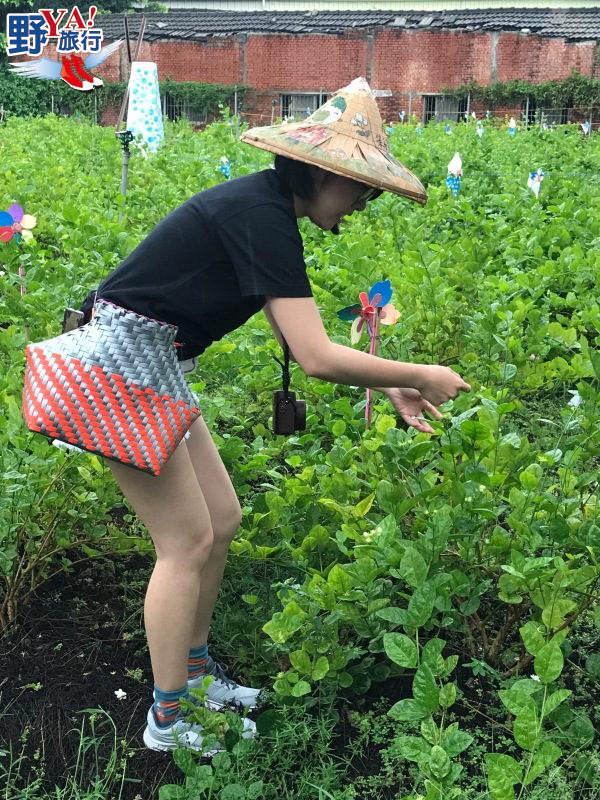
<point x="289" y="414"/>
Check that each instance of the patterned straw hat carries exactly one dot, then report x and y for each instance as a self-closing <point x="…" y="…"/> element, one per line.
<point x="345" y="136"/>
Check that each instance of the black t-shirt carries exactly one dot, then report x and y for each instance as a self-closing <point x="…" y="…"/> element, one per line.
<point x="208" y="265"/>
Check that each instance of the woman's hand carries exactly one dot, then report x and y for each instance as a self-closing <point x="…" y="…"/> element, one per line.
<point x="411" y="404"/>
<point x="439" y="384"/>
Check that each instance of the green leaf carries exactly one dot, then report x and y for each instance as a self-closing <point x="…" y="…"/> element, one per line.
<point x="425" y="689"/>
<point x="407" y="711"/>
<point x="532" y="634"/>
<point x="413" y="567"/>
<point x="516" y="701"/>
<point x="456" y="741"/>
<point x="321" y="668"/>
<point x="547" y="754"/>
<point x="255" y="790"/>
<point x="525" y="728"/>
<point x="339" y="579"/>
<point x="530" y="478"/>
<point x="284" y="624"/>
<point x="300" y="688"/>
<point x="555" y="699"/>
<point x="170" y="791"/>
<point x="581" y="731"/>
<point x="555" y="612"/>
<point x="503" y="772"/>
<point x="447" y="695"/>
<point x="430" y="731"/>
<point x="595" y="359"/>
<point x="233" y="791"/>
<point x="420" y="605"/>
<point x="362" y="508"/>
<point x="432" y="652"/>
<point x="397" y="616"/>
<point x="592" y="664"/>
<point x="269" y="721"/>
<point x="439" y="763"/>
<point x="300" y="660"/>
<point x="400" y="649"/>
<point x="410" y="747"/>
<point x="549" y="662"/>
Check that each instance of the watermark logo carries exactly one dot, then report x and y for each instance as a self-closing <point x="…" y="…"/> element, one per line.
<point x="72" y="33"/>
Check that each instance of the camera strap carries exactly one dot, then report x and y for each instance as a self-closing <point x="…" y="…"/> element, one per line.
<point x="285" y="367"/>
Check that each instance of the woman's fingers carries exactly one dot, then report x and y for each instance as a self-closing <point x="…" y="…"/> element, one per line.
<point x="432" y="409"/>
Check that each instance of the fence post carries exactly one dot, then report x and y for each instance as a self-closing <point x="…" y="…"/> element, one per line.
<point x="52" y="103"/>
<point x="409" y="104"/>
<point x="527" y="112"/>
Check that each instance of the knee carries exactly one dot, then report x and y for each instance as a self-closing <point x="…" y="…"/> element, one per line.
<point x="200" y="547"/>
<point x="225" y="528"/>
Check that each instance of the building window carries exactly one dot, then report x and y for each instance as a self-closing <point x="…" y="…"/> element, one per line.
<point x="175" y="108"/>
<point x="444" y="107"/>
<point x="299" y="106"/>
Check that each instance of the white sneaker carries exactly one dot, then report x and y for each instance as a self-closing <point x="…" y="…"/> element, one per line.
<point x="184" y="734"/>
<point x="225" y="691"/>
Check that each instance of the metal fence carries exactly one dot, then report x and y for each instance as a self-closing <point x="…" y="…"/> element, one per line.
<point x="399" y="107"/>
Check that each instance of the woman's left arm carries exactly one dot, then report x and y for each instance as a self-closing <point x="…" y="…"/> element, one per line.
<point x="276" y="331"/>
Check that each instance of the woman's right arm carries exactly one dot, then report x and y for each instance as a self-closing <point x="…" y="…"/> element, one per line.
<point x="299" y="321"/>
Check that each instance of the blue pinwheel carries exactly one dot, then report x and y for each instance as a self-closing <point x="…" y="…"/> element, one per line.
<point x="225" y="167"/>
<point x="454" y="174"/>
<point x="453" y="183"/>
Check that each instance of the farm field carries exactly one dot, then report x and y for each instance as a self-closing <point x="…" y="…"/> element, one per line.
<point x="422" y="609"/>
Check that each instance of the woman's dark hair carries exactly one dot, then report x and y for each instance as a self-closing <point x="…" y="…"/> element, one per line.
<point x="297" y="177"/>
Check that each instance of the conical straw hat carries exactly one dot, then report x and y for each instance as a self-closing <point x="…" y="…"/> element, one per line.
<point x="346" y="136"/>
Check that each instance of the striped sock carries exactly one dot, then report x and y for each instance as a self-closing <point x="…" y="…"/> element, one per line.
<point x="197" y="660"/>
<point x="167" y="705"/>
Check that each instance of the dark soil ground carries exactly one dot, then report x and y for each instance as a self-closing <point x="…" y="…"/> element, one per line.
<point x="80" y="639"/>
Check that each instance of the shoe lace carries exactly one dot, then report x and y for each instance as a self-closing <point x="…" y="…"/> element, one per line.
<point x="215" y="669"/>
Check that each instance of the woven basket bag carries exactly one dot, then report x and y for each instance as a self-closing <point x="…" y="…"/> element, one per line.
<point x="112" y="387"/>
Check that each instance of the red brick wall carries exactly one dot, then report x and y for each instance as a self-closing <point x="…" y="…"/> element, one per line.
<point x="532" y="58"/>
<point x="421" y="61"/>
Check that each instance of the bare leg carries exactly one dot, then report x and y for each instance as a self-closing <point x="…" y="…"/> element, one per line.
<point x="173" y="509"/>
<point x="226" y="517"/>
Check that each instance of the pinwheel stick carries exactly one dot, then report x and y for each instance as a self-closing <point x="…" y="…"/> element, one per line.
<point x="375" y="338"/>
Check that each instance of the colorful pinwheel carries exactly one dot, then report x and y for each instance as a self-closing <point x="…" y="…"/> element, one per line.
<point x="374" y="308"/>
<point x="15" y="223"/>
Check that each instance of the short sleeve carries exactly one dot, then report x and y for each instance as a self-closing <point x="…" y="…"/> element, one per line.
<point x="265" y="248"/>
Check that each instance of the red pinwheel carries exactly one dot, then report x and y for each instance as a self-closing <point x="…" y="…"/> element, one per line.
<point x="15" y="223"/>
<point x="375" y="307"/>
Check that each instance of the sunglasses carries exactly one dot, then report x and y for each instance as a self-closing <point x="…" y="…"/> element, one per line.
<point x="369" y="194"/>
